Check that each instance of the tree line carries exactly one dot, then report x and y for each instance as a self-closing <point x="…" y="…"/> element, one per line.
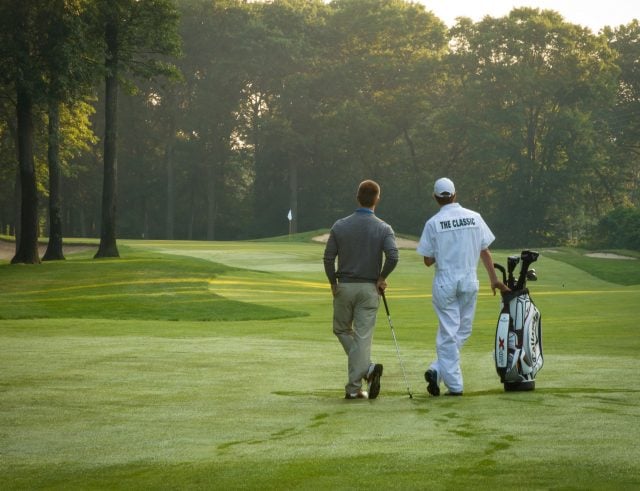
<point x="211" y="119"/>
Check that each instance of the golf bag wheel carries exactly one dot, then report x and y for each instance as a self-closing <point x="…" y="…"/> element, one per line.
<point x="519" y="386"/>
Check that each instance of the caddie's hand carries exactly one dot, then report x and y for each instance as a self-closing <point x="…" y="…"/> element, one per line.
<point x="499" y="285"/>
<point x="381" y="285"/>
<point x="334" y="289"/>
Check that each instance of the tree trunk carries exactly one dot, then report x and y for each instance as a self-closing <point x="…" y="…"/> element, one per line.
<point x="27" y="249"/>
<point x="108" y="246"/>
<point x="54" y="247"/>
<point x="16" y="207"/>
<point x="17" y="195"/>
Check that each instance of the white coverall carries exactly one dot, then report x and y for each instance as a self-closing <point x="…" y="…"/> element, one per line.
<point x="454" y="237"/>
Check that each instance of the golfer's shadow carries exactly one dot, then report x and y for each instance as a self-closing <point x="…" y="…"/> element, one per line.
<point x="333" y="394"/>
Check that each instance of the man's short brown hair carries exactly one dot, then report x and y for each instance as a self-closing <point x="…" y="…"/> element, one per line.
<point x="445" y="200"/>
<point x="368" y="193"/>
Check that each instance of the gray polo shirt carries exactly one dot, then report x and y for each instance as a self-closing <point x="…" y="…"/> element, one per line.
<point x="359" y="241"/>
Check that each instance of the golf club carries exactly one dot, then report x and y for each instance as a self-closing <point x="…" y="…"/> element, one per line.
<point x="528" y="257"/>
<point x="393" y="333"/>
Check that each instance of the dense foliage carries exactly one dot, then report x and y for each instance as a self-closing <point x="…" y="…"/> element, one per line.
<point x="287" y="105"/>
<point x="618" y="229"/>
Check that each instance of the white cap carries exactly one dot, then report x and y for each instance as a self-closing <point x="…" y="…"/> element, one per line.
<point x="444" y="188"/>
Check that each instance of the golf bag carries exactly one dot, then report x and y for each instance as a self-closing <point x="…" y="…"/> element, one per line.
<point x="518" y="343"/>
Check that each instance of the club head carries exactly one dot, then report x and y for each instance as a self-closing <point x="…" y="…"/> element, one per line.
<point x="512" y="262"/>
<point x="529" y="256"/>
<point x="531" y="275"/>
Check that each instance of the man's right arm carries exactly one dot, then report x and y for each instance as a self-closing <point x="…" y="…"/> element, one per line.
<point x="391" y="258"/>
<point x="426" y="247"/>
<point x="391" y="254"/>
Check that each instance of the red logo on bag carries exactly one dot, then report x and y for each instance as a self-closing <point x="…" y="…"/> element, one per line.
<point x="500" y="343"/>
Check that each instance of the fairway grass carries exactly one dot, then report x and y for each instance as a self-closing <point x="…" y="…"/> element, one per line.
<point x="142" y="286"/>
<point x="96" y="399"/>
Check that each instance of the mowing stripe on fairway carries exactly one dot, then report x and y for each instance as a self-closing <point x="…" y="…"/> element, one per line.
<point x="230" y="280"/>
<point x="158" y="281"/>
<point x="223" y="291"/>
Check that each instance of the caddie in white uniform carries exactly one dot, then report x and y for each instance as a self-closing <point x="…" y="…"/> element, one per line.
<point x="454" y="239"/>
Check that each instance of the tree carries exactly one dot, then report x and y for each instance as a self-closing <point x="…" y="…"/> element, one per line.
<point x="68" y="78"/>
<point x="351" y="91"/>
<point x="43" y="56"/>
<point x="622" y="177"/>
<point x="282" y="110"/>
<point x="136" y="34"/>
<point x="535" y="80"/>
<point x="7" y="163"/>
<point x="220" y="39"/>
<point x="20" y="63"/>
<point x="619" y="229"/>
<point x="398" y="75"/>
<point x="288" y="104"/>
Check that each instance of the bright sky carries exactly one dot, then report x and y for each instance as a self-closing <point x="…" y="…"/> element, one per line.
<point x="589" y="13"/>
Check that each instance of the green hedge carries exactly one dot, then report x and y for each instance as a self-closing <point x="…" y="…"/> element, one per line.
<point x="619" y="229"/>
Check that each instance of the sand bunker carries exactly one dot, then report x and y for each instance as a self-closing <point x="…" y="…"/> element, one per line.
<point x="609" y="255"/>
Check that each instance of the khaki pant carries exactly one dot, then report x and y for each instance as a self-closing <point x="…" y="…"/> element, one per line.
<point x="355" y="307"/>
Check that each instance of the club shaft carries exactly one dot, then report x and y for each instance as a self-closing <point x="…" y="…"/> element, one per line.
<point x="395" y="341"/>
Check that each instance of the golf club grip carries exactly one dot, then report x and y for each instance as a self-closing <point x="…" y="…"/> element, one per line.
<point x="386" y="307"/>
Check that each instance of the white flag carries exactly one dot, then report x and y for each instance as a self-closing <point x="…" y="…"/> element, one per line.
<point x="289" y="215"/>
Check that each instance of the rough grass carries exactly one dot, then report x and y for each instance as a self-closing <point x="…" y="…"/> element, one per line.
<point x="101" y="403"/>
<point x="617" y="271"/>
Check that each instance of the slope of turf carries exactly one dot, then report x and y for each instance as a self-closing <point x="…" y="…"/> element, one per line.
<point x="619" y="271"/>
<point x="258" y="404"/>
<point x="141" y="285"/>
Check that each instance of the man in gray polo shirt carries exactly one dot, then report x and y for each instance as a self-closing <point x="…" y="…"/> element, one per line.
<point x="359" y="242"/>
